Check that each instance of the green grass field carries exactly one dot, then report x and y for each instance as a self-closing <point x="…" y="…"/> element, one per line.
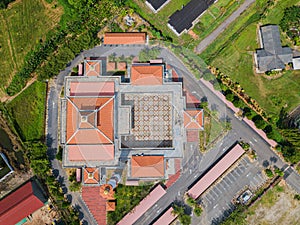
<point x="22" y="25"/>
<point x="28" y="110"/>
<point x="216" y="14"/>
<point x="236" y="60"/>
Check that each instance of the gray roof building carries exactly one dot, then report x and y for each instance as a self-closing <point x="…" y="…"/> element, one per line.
<point x="271" y="56"/>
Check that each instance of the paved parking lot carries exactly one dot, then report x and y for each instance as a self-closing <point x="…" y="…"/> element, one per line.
<point x="217" y="200"/>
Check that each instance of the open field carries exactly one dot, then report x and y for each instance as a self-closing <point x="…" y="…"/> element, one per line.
<point x="215" y="15"/>
<point x="235" y="59"/>
<point x="276" y="207"/>
<point x="27" y="111"/>
<point x="22" y="25"/>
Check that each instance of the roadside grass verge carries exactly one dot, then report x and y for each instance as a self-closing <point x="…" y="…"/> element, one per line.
<point x="233" y="55"/>
<point x="127" y="198"/>
<point x="22" y="26"/>
<point x="209" y="21"/>
<point x="27" y="112"/>
<point x="214" y="16"/>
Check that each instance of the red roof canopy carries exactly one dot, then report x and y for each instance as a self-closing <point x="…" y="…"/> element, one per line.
<point x="19" y="205"/>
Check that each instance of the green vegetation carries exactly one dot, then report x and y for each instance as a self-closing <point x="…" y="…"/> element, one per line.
<point x="148" y="54"/>
<point x="74" y="185"/>
<point x="214" y="16"/>
<point x="297" y="197"/>
<point x="183" y="218"/>
<point x="290" y="23"/>
<point x="23" y="26"/>
<point x="269" y="173"/>
<point x="198" y="211"/>
<point x="279" y="172"/>
<point x="27" y="111"/>
<point x="4" y="3"/>
<point x="232" y="55"/>
<point x="127" y="198"/>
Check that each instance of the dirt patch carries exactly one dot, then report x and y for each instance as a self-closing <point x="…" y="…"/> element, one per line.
<point x="44" y="215"/>
<point x="277" y="207"/>
<point x="193" y="35"/>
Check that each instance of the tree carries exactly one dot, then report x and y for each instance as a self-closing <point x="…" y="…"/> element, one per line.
<point x="208" y="76"/>
<point x="185" y="219"/>
<point x="279" y="172"/>
<point x="269" y="173"/>
<point x="259" y="122"/>
<point x="191" y="202"/>
<point x="198" y="211"/>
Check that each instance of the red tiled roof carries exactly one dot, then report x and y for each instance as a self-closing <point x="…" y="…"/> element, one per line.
<point x="19" y="205"/>
<point x="214" y="173"/>
<point x="146" y="75"/>
<point x="95" y="203"/>
<point x="121" y="66"/>
<point x="192" y="135"/>
<point x="91" y="152"/>
<point x="166" y="218"/>
<point x="190" y="99"/>
<point x="92" y="67"/>
<point x="80" y="88"/>
<point x="91" y="175"/>
<point x="147" y="166"/>
<point x="111" y="66"/>
<point x="193" y="119"/>
<point x="124" y="38"/>
<point x="110" y="206"/>
<point x="143" y="206"/>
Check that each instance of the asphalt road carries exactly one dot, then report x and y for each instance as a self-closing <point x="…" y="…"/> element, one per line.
<point x="210" y="38"/>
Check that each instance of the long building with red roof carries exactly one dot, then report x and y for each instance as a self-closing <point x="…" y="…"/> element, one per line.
<point x="21" y="203"/>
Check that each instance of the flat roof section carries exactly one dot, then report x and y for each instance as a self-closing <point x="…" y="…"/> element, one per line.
<point x="81" y="88"/>
<point x="143" y="206"/>
<point x="124" y="38"/>
<point x="183" y="19"/>
<point x="216" y="171"/>
<point x="147" y="166"/>
<point x="166" y="218"/>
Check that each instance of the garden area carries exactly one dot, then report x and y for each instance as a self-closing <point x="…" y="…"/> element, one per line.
<point x="23" y="25"/>
<point x="236" y="60"/>
<point x="27" y="111"/>
<point x="127" y="197"/>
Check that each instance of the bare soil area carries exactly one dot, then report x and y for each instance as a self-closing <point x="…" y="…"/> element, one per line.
<point x="277" y="207"/>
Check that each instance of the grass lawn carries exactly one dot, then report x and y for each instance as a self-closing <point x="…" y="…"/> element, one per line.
<point x="127" y="197"/>
<point x="211" y="19"/>
<point x="235" y="60"/>
<point x="27" y="111"/>
<point x="277" y="206"/>
<point x="214" y="16"/>
<point x="22" y="25"/>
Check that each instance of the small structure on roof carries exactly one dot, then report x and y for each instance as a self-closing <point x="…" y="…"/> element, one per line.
<point x="91" y="175"/>
<point x="271" y="56"/>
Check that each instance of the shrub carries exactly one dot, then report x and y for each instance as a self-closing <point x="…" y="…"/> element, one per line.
<point x="259" y="122"/>
<point x="269" y="173"/>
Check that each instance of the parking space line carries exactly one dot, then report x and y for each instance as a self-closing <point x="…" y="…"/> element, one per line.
<point x="217" y="188"/>
<point x="231" y="176"/>
<point x="239" y="170"/>
<point x="237" y="174"/>
<point x="216" y="192"/>
<point x="214" y="195"/>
